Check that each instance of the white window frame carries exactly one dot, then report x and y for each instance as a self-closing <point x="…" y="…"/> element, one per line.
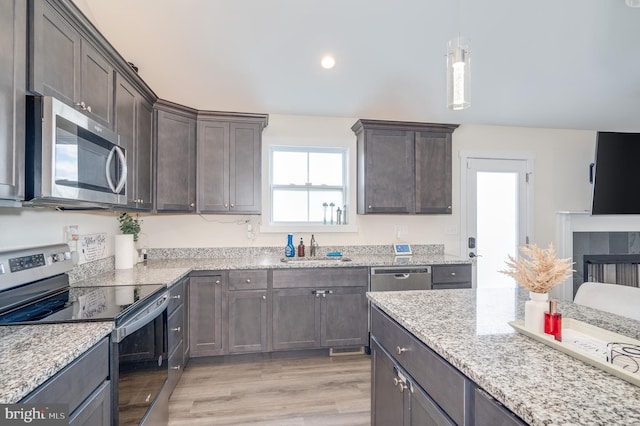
<point x="269" y="226"/>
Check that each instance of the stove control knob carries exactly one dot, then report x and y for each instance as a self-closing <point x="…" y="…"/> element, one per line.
<point x="57" y="257"/>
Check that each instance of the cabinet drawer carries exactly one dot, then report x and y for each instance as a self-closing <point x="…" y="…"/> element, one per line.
<point x="320" y="277"/>
<point x="176" y="362"/>
<point x="176" y="296"/>
<point x="77" y="381"/>
<point x="442" y="382"/>
<point x="247" y="280"/>
<point x="448" y="286"/>
<point x="175" y="327"/>
<point x="451" y="274"/>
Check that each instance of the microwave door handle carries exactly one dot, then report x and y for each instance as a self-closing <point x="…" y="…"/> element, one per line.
<point x="108" y="166"/>
<point x="123" y="177"/>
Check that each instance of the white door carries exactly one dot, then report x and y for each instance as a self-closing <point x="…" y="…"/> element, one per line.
<point x="497" y="192"/>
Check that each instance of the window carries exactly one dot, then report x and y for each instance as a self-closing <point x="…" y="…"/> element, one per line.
<point x="305" y="181"/>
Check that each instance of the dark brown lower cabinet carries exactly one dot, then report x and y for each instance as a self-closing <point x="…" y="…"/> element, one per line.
<point x="247" y="321"/>
<point x="83" y="386"/>
<point x="251" y="311"/>
<point x="319" y="307"/>
<point x="205" y="315"/>
<point x="488" y="411"/>
<point x="343" y="311"/>
<point x="305" y="318"/>
<point x="413" y="385"/>
<point x="296" y="319"/>
<point x="396" y="399"/>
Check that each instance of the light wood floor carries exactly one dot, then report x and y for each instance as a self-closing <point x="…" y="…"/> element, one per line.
<point x="321" y="391"/>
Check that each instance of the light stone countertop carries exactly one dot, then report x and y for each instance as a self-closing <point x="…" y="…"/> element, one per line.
<point x="27" y="362"/>
<point x="170" y="271"/>
<point x="31" y="354"/>
<point x="469" y="328"/>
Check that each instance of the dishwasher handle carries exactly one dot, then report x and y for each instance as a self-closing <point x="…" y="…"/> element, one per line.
<point x="401" y="271"/>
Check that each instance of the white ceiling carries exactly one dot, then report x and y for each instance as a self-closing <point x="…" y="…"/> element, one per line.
<point x="571" y="64"/>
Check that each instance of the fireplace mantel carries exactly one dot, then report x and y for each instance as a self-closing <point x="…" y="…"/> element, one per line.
<point x="569" y="222"/>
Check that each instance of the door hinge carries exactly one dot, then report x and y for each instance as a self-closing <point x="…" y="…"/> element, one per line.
<point x="527" y="177"/>
<point x="526" y="239"/>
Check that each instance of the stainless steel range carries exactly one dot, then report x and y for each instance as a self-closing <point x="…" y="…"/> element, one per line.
<point x="34" y="289"/>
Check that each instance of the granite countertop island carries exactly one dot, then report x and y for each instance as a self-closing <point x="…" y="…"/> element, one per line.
<point x="469" y="328"/>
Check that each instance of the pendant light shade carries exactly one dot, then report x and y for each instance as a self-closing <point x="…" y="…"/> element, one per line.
<point x="458" y="74"/>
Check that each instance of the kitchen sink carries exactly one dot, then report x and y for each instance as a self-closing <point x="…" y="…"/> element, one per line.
<point x="315" y="259"/>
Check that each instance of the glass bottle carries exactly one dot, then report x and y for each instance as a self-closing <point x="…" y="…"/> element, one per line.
<point x="312" y="246"/>
<point x="289" y="250"/>
<point x="553" y="321"/>
<point x="301" y="249"/>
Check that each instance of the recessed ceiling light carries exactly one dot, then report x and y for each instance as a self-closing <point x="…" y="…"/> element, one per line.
<point x="328" y="62"/>
<point x="632" y="3"/>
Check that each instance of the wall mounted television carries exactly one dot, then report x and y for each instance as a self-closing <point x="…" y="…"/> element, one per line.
<point x="616" y="174"/>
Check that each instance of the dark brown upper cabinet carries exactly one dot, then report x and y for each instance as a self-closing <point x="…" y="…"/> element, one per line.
<point x="230" y="162"/>
<point x="175" y="157"/>
<point x="64" y="64"/>
<point x="404" y="167"/>
<point x="13" y="24"/>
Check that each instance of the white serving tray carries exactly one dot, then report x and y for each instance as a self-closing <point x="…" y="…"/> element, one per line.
<point x="595" y="346"/>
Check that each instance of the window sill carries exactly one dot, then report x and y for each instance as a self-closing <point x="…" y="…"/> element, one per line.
<point x="300" y="228"/>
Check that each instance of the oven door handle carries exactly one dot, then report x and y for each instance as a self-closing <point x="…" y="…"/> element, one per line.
<point x="142" y="319"/>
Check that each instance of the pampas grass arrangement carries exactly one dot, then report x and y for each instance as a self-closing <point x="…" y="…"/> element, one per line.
<point x="538" y="270"/>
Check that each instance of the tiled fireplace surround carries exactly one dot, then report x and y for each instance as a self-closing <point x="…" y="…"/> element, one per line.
<point x="580" y="234"/>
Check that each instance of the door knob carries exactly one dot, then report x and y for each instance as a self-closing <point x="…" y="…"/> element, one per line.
<point x="472" y="255"/>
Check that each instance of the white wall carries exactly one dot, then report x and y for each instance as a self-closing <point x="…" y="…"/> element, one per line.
<point x="561" y="182"/>
<point x="38" y="226"/>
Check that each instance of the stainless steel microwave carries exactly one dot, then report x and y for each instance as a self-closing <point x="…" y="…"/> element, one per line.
<point x="71" y="160"/>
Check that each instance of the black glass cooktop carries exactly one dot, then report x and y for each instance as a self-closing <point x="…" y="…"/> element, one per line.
<point x="95" y="303"/>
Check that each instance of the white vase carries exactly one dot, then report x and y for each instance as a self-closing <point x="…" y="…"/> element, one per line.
<point x="134" y="253"/>
<point x="124" y="251"/>
<point x="534" y="310"/>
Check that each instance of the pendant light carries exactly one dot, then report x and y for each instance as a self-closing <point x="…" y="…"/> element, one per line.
<point x="458" y="73"/>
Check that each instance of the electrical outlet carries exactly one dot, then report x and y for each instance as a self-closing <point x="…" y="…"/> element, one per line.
<point x="451" y="230"/>
<point x="401" y="231"/>
<point x="71" y="233"/>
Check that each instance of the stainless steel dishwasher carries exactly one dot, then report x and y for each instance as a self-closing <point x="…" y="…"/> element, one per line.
<point x="397" y="278"/>
<point x="401" y="278"/>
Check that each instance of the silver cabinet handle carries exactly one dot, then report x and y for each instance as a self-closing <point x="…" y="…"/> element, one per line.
<point x="83" y="106"/>
<point x="177" y="329"/>
<point x="217" y="281"/>
<point x="401" y="385"/>
<point x="226" y="205"/>
<point x="177" y="367"/>
<point x="177" y="296"/>
<point x="453" y="274"/>
<point x="264" y="297"/>
<point x="400" y="350"/>
<point x="248" y="281"/>
<point x="232" y="206"/>
<point x="192" y="205"/>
